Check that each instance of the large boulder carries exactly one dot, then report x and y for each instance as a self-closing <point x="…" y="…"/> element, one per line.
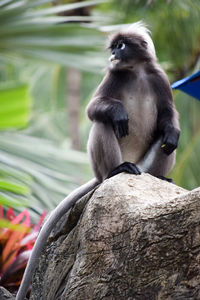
<point x="5" y="295"/>
<point x="134" y="238"/>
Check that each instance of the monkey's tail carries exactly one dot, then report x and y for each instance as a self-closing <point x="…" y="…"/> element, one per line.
<point x="54" y="217"/>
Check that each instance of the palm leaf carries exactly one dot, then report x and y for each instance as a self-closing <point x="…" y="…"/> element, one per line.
<point x="45" y="173"/>
<point x="15" y="104"/>
<point x="31" y="33"/>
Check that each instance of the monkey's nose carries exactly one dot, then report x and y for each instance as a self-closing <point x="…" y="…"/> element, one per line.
<point x="112" y="57"/>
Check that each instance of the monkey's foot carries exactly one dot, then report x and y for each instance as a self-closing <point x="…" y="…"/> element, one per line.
<point x="166" y="179"/>
<point x="125" y="167"/>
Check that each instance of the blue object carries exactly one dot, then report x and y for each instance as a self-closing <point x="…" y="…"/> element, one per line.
<point x="189" y="85"/>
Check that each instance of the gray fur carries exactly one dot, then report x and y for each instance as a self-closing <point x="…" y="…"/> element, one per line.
<point x="139" y="147"/>
<point x="104" y="150"/>
<point x="140" y="104"/>
<point x="156" y="162"/>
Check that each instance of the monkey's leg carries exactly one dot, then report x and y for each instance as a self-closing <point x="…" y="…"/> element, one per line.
<point x="127" y="167"/>
<point x="103" y="149"/>
<point x="105" y="153"/>
<point x="156" y="162"/>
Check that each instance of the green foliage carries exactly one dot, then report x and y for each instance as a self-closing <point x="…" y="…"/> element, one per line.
<point x="175" y="30"/>
<point x="15" y="104"/>
<point x="27" y="32"/>
<point x="176" y="34"/>
<point x="49" y="110"/>
<point x="186" y="171"/>
<point x="36" y="172"/>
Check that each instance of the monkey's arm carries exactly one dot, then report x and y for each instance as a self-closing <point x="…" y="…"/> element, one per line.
<point x="54" y="217"/>
<point x="109" y="110"/>
<point x="167" y="119"/>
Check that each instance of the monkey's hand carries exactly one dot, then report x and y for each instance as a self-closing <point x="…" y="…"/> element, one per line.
<point x="119" y="120"/>
<point x="170" y="140"/>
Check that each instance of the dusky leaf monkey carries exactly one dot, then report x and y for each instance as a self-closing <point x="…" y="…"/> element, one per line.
<point x="135" y="125"/>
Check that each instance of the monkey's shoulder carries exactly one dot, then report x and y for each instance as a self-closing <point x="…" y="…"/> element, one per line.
<point x="147" y="82"/>
<point x="157" y="77"/>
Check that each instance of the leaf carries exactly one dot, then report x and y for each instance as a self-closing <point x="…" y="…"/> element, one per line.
<point x="12" y="200"/>
<point x="67" y="7"/>
<point x="83" y="61"/>
<point x="12" y="246"/>
<point x="11" y="186"/>
<point x="5" y="2"/>
<point x="36" y="3"/>
<point x="54" y="20"/>
<point x="10" y="214"/>
<point x="19" y="22"/>
<point x="15" y="107"/>
<point x="16" y="245"/>
<point x="6" y="224"/>
<point x="49" y="174"/>
<point x="185" y="159"/>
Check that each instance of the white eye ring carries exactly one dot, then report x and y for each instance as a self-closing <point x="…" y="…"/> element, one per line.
<point x="121" y="46"/>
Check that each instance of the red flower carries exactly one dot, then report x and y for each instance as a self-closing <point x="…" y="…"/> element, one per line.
<point x="16" y="243"/>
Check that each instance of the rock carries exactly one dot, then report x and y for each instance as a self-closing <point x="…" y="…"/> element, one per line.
<point x="5" y="295"/>
<point x="134" y="238"/>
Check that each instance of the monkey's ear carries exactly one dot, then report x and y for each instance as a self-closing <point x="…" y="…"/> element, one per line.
<point x="144" y="44"/>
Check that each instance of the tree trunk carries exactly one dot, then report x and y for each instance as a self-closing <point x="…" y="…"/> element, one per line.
<point x="73" y="105"/>
<point x="134" y="238"/>
<point x="74" y="77"/>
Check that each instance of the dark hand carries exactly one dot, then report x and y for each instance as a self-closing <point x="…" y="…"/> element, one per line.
<point x="170" y="140"/>
<point x="119" y="121"/>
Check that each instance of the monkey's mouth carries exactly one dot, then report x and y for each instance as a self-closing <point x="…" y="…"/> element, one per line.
<point x="114" y="59"/>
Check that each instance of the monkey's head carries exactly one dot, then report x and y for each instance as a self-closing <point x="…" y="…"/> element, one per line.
<point x="131" y="46"/>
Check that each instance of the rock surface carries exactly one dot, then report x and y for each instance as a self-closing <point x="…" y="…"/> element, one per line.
<point x="134" y="238"/>
<point x="5" y="295"/>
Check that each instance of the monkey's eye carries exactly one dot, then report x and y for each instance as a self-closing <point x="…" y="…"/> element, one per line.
<point x="121" y="46"/>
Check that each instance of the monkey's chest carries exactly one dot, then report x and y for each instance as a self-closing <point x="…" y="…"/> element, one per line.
<point x="142" y="122"/>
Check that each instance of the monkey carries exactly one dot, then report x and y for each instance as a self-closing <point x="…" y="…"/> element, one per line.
<point x="135" y="125"/>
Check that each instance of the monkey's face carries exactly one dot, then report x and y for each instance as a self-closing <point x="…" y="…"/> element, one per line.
<point x="127" y="51"/>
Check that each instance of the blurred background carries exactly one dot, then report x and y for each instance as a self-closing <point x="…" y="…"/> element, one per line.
<point x="52" y="56"/>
